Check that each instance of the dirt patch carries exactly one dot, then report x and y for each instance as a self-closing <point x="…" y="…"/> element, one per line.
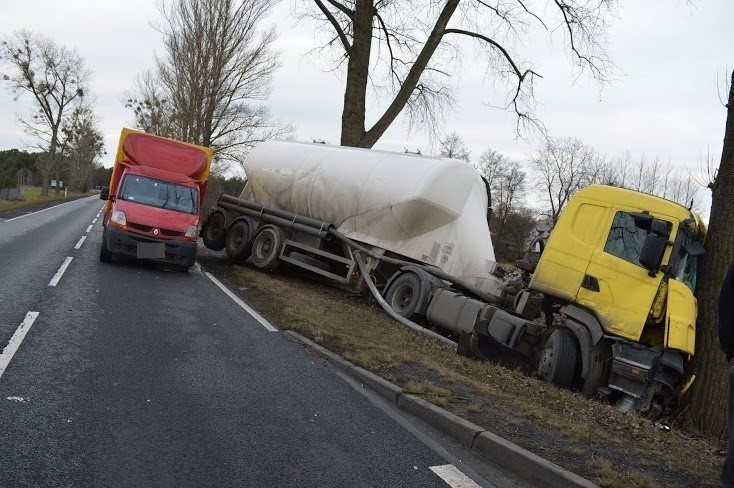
<point x="587" y="437"/>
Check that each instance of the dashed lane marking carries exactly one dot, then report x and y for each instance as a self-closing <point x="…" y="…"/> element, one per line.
<point x="14" y="342"/>
<point x="81" y="241"/>
<point x="453" y="477"/>
<point x="55" y="280"/>
<point x="88" y="229"/>
<point x="242" y="304"/>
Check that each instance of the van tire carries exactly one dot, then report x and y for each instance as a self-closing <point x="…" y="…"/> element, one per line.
<point x="214" y="234"/>
<point x="266" y="248"/>
<point x="105" y="255"/>
<point x="404" y="294"/>
<point x="237" y="243"/>
<point x="557" y="362"/>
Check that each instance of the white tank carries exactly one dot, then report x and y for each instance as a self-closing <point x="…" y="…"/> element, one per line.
<point x="429" y="209"/>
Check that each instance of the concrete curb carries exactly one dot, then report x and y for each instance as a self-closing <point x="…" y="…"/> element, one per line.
<point x="502" y="452"/>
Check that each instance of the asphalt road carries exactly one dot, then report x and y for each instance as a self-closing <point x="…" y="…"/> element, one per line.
<point x="133" y="375"/>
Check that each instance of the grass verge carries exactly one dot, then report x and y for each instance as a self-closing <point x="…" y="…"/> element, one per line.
<point x="587" y="437"/>
<point x="33" y="197"/>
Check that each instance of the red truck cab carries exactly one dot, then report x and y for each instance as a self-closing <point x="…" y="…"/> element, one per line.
<point x="154" y="199"/>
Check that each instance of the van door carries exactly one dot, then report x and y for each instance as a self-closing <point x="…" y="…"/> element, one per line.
<point x="616" y="285"/>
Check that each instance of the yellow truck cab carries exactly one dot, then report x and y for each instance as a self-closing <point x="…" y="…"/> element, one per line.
<point x="620" y="266"/>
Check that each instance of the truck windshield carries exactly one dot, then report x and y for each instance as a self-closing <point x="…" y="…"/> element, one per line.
<point x="159" y="193"/>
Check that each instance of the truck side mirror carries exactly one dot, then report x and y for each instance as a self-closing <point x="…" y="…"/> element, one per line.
<point x="653" y="248"/>
<point x="104" y="193"/>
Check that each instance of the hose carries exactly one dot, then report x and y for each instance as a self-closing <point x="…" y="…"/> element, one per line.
<point x="390" y="311"/>
<point x="429" y="269"/>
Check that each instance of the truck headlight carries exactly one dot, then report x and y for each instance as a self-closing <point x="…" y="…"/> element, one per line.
<point x="118" y="218"/>
<point x="192" y="231"/>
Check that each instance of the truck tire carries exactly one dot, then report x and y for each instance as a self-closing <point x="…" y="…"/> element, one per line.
<point x="404" y="294"/>
<point x="214" y="234"/>
<point x="600" y="363"/>
<point x="104" y="253"/>
<point x="237" y="242"/>
<point x="266" y="248"/>
<point x="557" y="362"/>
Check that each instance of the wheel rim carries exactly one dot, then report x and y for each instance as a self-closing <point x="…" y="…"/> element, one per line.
<point x="403" y="297"/>
<point x="546" y="361"/>
<point x="264" y="246"/>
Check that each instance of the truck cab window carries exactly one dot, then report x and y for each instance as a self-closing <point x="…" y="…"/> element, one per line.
<point x="625" y="238"/>
<point x="158" y="193"/>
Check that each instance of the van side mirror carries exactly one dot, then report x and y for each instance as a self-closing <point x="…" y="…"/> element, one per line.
<point x="653" y="248"/>
<point x="104" y="193"/>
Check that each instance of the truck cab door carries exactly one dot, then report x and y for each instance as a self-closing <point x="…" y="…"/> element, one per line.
<point x="617" y="285"/>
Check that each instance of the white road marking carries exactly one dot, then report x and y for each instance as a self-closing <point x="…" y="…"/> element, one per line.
<point x="34" y="213"/>
<point x="88" y="229"/>
<point x="242" y="304"/>
<point x="15" y="341"/>
<point x="81" y="241"/>
<point x="94" y="221"/>
<point x="453" y="477"/>
<point x="55" y="280"/>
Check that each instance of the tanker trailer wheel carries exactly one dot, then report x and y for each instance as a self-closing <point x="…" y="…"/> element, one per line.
<point x="558" y="359"/>
<point x="213" y="233"/>
<point x="404" y="294"/>
<point x="237" y="243"/>
<point x="600" y="364"/>
<point x="266" y="248"/>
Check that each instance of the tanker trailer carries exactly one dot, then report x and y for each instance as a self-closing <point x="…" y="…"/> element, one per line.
<point x="421" y="210"/>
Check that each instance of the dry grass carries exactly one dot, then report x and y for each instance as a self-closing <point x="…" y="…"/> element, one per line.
<point x="33" y="197"/>
<point x="357" y="329"/>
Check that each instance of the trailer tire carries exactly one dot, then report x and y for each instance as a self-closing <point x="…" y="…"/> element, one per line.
<point x="557" y="362"/>
<point x="105" y="255"/>
<point x="237" y="243"/>
<point x="600" y="363"/>
<point x="214" y="234"/>
<point x="404" y="294"/>
<point x="266" y="248"/>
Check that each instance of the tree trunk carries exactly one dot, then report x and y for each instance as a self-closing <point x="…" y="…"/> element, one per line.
<point x="707" y="409"/>
<point x="355" y="94"/>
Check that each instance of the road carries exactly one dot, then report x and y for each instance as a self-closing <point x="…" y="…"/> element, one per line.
<point x="127" y="374"/>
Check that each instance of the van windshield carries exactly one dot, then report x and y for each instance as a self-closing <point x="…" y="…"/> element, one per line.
<point x="159" y="193"/>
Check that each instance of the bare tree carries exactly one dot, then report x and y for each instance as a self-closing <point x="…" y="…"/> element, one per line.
<point x="215" y="70"/>
<point x="564" y="166"/>
<point x="707" y="408"/>
<point x="452" y="146"/>
<point x="506" y="194"/>
<point x="408" y="51"/>
<point x="83" y="144"/>
<point x="56" y="79"/>
<point x="491" y="165"/>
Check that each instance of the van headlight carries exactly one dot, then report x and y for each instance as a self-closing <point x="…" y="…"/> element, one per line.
<point x="118" y="218"/>
<point x="192" y="231"/>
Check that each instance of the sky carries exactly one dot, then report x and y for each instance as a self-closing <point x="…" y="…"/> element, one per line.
<point x="672" y="59"/>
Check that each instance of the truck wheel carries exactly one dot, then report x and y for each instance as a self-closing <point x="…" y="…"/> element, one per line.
<point x="214" y="233"/>
<point x="266" y="248"/>
<point x="237" y="243"/>
<point x="404" y="294"/>
<point x="600" y="363"/>
<point x="558" y="359"/>
<point x="104" y="253"/>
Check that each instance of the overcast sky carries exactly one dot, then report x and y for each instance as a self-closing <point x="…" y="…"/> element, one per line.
<point x="672" y="61"/>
